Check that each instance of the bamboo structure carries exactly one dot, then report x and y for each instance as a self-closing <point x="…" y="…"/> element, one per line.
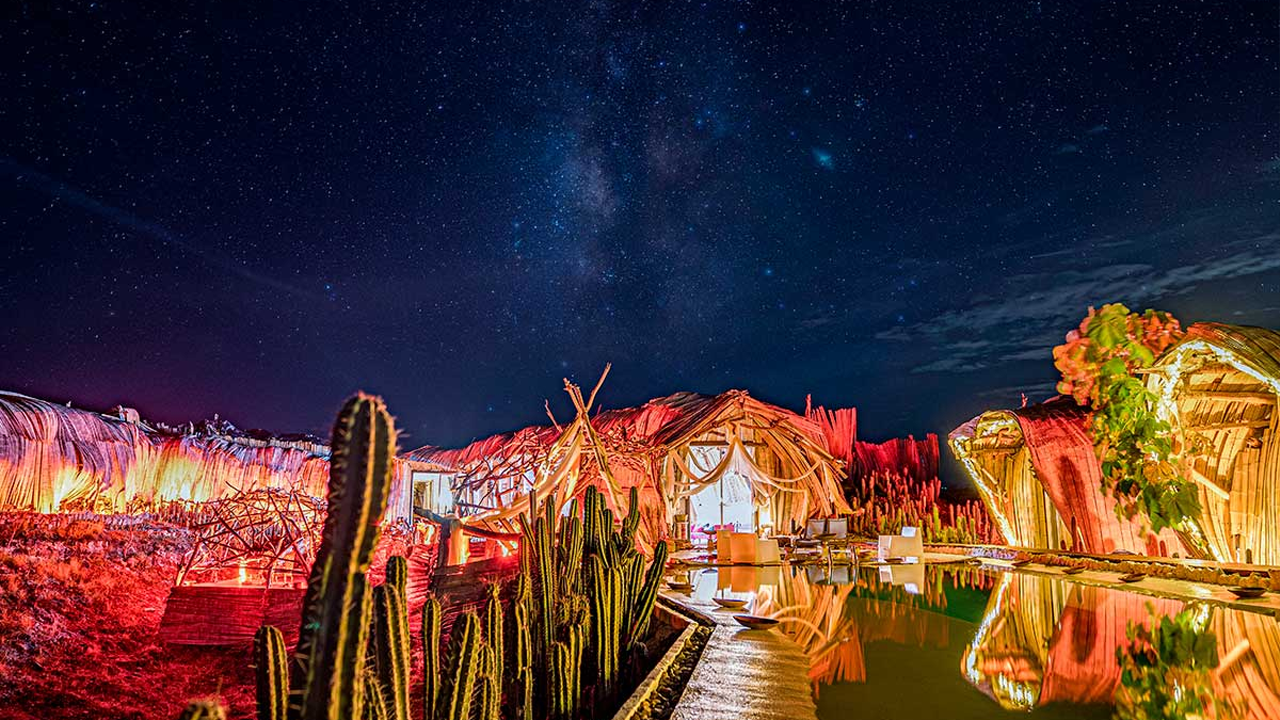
<point x="55" y="458"/>
<point x="652" y="448"/>
<point x="1218" y="387"/>
<point x="1039" y="476"/>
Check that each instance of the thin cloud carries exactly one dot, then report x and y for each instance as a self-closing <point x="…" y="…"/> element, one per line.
<point x="1041" y="307"/>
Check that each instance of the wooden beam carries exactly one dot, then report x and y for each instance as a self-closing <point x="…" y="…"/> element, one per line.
<point x="1240" y="425"/>
<point x="1208" y="484"/>
<point x="1260" y="398"/>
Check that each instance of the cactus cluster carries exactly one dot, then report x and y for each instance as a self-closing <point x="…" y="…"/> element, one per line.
<point x="580" y="608"/>
<point x="583" y="603"/>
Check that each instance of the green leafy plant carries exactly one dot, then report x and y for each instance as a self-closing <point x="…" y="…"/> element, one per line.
<point x="1100" y="364"/>
<point x="1166" y="669"/>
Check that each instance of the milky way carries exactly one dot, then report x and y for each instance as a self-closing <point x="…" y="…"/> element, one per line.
<point x="899" y="206"/>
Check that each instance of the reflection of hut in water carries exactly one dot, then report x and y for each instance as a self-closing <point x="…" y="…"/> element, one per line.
<point x="1218" y="388"/>
<point x="831" y="621"/>
<point x="1043" y="641"/>
<point x="1038" y="474"/>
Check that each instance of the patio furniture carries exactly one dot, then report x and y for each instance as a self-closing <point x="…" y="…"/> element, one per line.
<point x="909" y="546"/>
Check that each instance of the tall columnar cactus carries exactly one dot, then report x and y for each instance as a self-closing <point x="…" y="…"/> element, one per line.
<point x="333" y="637"/>
<point x="604" y="623"/>
<point x="488" y="687"/>
<point x="391" y="649"/>
<point x="545" y="559"/>
<point x="460" y="670"/>
<point x="644" y="596"/>
<point x="495" y="633"/>
<point x="271" y="666"/>
<point x="431" y="624"/>
<point x="524" y="661"/>
<point x="375" y="700"/>
<point x="398" y="576"/>
<point x="570" y="553"/>
<point x="561" y="690"/>
<point x="627" y="540"/>
<point x="203" y="710"/>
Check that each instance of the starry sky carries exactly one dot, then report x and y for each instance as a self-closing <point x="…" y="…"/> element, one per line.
<point x="255" y="210"/>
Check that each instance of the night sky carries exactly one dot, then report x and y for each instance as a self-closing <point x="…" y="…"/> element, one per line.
<point x="901" y="206"/>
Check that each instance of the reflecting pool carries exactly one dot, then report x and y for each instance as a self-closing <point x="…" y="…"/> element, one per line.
<point x="914" y="641"/>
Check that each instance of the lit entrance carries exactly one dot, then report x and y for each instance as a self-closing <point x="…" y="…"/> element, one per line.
<point x="726" y="501"/>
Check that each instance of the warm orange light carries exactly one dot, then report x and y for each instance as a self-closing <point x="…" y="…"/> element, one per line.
<point x="244" y="574"/>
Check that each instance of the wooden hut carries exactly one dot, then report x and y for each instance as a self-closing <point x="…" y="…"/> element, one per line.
<point x="682" y="452"/>
<point x="1038" y="474"/>
<point x="1218" y="387"/>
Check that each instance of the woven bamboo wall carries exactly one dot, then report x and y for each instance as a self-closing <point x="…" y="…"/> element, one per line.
<point x="1040" y="474"/>
<point x="1219" y="387"/>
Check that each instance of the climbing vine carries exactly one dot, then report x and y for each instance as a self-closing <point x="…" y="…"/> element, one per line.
<point x="1166" y="669"/>
<point x="1099" y="364"/>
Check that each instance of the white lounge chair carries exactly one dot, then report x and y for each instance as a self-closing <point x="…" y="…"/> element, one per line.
<point x="908" y="546"/>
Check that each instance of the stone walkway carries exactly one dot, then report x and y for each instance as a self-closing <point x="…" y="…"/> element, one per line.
<point x="744" y="674"/>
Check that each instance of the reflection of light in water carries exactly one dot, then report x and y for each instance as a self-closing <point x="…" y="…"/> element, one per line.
<point x="970" y="659"/>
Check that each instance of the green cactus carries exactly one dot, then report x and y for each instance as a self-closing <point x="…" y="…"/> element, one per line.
<point x="333" y="638"/>
<point x="203" y="710"/>
<point x="390" y="642"/>
<point x="524" y="662"/>
<point x="604" y="623"/>
<point x="563" y="697"/>
<point x="570" y="553"/>
<point x="374" y="702"/>
<point x="627" y="541"/>
<point x="546" y="586"/>
<point x="271" y="667"/>
<point x="460" y="670"/>
<point x="488" y="686"/>
<point x="494" y="631"/>
<point x="644" y="596"/>
<point x="431" y="623"/>
<point x="398" y="576"/>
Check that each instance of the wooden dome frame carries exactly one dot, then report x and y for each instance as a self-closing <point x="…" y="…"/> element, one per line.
<point x="1218" y="388"/>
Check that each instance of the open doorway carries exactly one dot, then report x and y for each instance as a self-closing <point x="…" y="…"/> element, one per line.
<point x="727" y="501"/>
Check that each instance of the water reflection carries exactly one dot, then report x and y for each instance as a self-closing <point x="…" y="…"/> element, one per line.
<point x="1044" y="640"/>
<point x="1029" y="642"/>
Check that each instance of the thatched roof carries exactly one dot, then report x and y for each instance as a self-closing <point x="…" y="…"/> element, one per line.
<point x="55" y="457"/>
<point x="648" y="447"/>
<point x="664" y="422"/>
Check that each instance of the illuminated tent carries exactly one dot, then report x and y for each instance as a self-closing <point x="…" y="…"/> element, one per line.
<point x="1218" y="387"/>
<point x="1038" y="474"/>
<point x="58" y="458"/>
<point x="668" y="449"/>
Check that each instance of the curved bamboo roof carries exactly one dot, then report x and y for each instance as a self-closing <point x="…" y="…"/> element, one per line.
<point x="649" y="444"/>
<point x="1218" y="387"/>
<point x="1038" y="474"/>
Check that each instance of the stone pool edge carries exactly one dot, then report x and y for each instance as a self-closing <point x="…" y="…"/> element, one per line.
<point x="640" y="704"/>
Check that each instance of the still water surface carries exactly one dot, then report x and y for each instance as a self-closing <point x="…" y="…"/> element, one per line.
<point x="961" y="642"/>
